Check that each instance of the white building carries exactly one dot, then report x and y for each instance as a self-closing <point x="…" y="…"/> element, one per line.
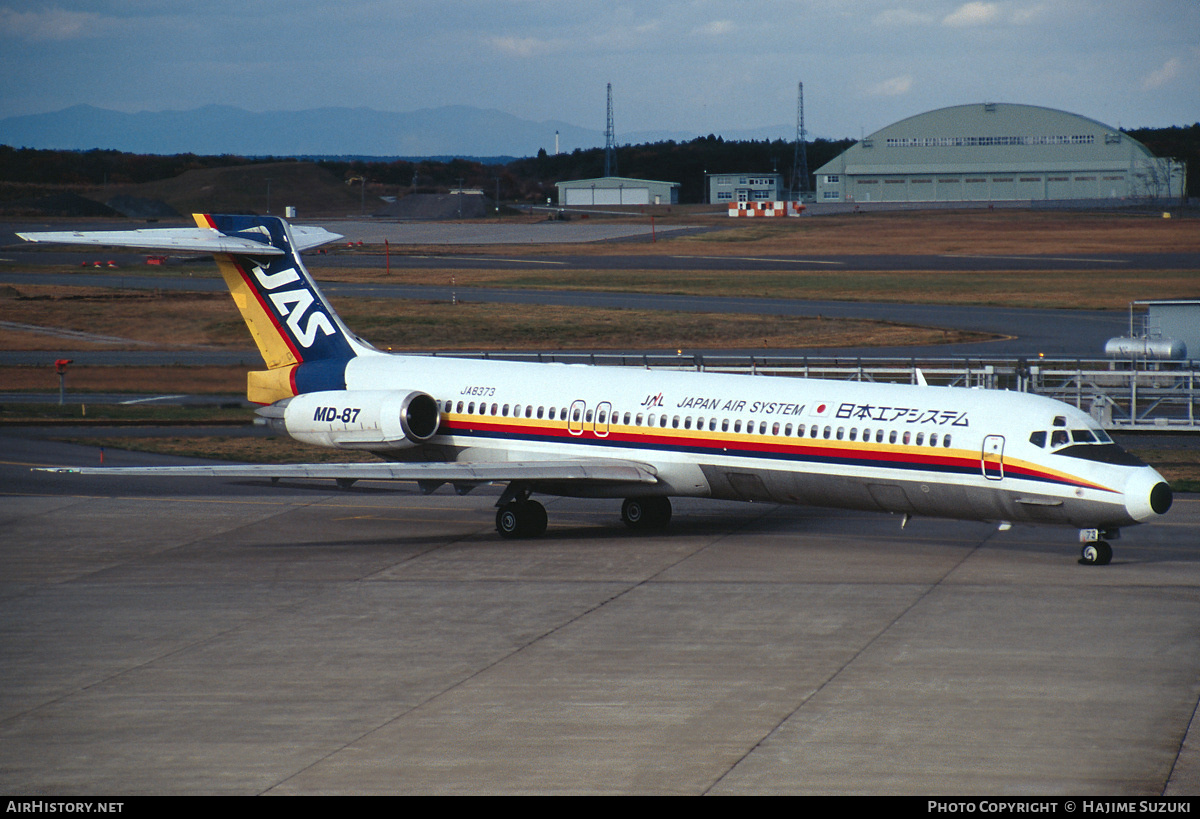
<point x="994" y="152"/>
<point x="616" y="190"/>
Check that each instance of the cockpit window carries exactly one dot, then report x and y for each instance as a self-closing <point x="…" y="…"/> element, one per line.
<point x="1059" y="438"/>
<point x="1038" y="438"/>
<point x="1082" y="436"/>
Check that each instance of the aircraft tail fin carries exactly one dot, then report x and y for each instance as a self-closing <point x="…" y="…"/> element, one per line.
<point x="302" y="340"/>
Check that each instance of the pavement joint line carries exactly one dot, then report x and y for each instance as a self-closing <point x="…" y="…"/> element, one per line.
<point x="629" y="587"/>
<point x="1034" y="258"/>
<point x="854" y="657"/>
<point x="1179" y="750"/>
<point x="177" y="650"/>
<point x="773" y="260"/>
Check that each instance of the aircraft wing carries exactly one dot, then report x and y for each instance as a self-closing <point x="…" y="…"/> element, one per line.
<point x="459" y="473"/>
<point x="192" y="240"/>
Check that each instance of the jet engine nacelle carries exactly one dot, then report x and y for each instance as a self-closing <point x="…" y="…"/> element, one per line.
<point x="358" y="419"/>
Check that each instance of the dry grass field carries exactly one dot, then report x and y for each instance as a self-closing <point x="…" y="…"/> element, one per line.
<point x="974" y="233"/>
<point x="170" y="320"/>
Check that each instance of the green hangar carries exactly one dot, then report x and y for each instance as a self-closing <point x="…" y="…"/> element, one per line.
<point x="993" y="152"/>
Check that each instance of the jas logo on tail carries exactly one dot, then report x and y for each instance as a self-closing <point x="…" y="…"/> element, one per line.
<point x="293" y="303"/>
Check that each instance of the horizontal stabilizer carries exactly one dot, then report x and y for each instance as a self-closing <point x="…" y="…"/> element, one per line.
<point x="191" y="240"/>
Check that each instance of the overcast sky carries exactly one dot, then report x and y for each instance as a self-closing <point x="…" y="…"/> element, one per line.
<point x="689" y="65"/>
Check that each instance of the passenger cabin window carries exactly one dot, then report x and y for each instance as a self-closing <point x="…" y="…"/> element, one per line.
<point x="946" y="440"/>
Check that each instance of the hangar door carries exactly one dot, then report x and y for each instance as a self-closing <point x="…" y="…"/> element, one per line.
<point x="608" y="196"/>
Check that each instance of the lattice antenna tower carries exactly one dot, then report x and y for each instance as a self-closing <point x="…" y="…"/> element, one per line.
<point x="800" y="157"/>
<point x="610" y="141"/>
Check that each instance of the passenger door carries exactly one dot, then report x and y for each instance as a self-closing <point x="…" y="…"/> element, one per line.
<point x="992" y="457"/>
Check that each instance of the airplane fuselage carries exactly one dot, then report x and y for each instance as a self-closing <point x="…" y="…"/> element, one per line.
<point x="920" y="450"/>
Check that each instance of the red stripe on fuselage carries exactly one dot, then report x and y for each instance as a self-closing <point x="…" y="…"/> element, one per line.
<point x="733" y="448"/>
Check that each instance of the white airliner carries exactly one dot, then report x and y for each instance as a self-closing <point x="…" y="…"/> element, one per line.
<point x="641" y="435"/>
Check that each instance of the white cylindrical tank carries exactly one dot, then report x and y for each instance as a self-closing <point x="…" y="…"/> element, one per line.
<point x="1158" y="349"/>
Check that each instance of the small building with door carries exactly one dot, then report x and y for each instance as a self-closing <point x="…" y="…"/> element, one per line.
<point x="732" y="188"/>
<point x="616" y="190"/>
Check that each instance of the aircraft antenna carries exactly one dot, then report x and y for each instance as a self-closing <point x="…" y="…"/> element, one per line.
<point x="800" y="157"/>
<point x="610" y="141"/>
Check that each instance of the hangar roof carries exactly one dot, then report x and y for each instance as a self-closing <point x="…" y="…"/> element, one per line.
<point x="612" y="182"/>
<point x="988" y="137"/>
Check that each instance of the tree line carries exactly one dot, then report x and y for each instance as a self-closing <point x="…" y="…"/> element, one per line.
<point x="523" y="180"/>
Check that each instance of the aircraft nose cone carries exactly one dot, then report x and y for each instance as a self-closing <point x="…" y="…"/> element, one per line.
<point x="1147" y="495"/>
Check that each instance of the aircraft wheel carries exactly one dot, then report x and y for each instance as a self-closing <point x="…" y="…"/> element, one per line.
<point x="646" y="513"/>
<point x="521" y="519"/>
<point x="535" y="519"/>
<point x="1096" y="553"/>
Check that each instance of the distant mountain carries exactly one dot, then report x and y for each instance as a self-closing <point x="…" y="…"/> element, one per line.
<point x="453" y="130"/>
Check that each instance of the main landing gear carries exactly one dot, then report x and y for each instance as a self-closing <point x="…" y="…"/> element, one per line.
<point x="519" y="517"/>
<point x="1096" y="552"/>
<point x="652" y="512"/>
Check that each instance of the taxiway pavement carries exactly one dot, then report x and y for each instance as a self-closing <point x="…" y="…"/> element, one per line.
<point x="233" y="637"/>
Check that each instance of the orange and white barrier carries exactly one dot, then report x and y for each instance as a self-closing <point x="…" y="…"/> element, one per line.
<point x="765" y="208"/>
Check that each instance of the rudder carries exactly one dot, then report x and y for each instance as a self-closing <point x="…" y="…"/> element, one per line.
<point x="302" y="340"/>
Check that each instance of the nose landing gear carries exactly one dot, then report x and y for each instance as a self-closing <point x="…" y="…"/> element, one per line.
<point x="1095" y="551"/>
